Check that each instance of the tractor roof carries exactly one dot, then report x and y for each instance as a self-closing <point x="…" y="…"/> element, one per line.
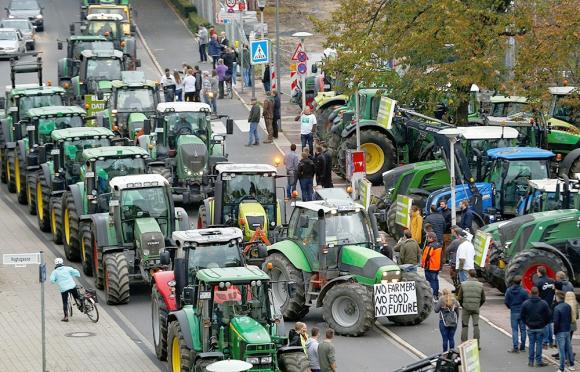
<point x="138" y="181"/>
<point x="209" y="235"/>
<point x="487" y="132"/>
<point x="519" y="153"/>
<point x="104" y="17"/>
<point x="183" y="107"/>
<point x="115" y="152"/>
<point x="245" y="168"/>
<point x="330" y="206"/>
<point x="505" y="99"/>
<point x="561" y="91"/>
<point x="518" y="221"/>
<point x="108" y="6"/>
<point x="101" y="53"/>
<point x="56" y="111"/>
<point x="35" y="90"/>
<point x="87" y="38"/>
<point x="333" y="194"/>
<point x="81" y="132"/>
<point x="133" y="79"/>
<point x="550" y="184"/>
<point x="232" y="274"/>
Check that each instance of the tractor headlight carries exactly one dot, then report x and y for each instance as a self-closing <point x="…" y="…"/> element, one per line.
<point x="188" y="172"/>
<point x="39" y="16"/>
<point x="145" y="252"/>
<point x="253" y="360"/>
<point x="266" y="360"/>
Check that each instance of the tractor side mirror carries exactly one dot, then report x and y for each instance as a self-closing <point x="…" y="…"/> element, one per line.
<point x="314" y="69"/>
<point x="188" y="295"/>
<point x="229" y="126"/>
<point x="59" y="45"/>
<point x="2" y="103"/>
<point x="165" y="258"/>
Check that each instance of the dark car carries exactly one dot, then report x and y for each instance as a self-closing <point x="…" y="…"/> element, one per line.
<point x="28" y="9"/>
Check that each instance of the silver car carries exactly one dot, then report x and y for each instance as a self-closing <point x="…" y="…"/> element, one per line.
<point x="28" y="9"/>
<point x="26" y="28"/>
<point x="12" y="43"/>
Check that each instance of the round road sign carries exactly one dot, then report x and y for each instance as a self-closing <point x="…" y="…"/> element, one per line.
<point x="231" y="3"/>
<point x="231" y="10"/>
<point x="302" y="57"/>
<point x="302" y="68"/>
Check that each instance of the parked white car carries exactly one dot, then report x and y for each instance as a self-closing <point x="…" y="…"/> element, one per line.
<point x="26" y="27"/>
<point x="12" y="43"/>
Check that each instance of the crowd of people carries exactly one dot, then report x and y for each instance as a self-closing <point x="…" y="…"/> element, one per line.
<point x="321" y="354"/>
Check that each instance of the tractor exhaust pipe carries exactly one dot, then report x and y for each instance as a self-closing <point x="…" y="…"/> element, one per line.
<point x="322" y="248"/>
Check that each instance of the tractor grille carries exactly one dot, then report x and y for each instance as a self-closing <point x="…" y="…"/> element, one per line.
<point x="194" y="156"/>
<point x="255" y="222"/>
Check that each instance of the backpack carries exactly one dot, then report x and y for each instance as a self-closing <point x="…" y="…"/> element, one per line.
<point x="449" y="317"/>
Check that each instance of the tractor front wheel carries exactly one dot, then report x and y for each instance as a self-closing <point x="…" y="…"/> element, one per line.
<point x="293" y="306"/>
<point x="116" y="278"/>
<point x="526" y="264"/>
<point x="294" y="362"/>
<point x="424" y="301"/>
<point x="55" y="219"/>
<point x="31" y="193"/>
<point x="164" y="171"/>
<point x="86" y="249"/>
<point x="3" y="163"/>
<point x="348" y="309"/>
<point x="20" y="179"/>
<point x="42" y="202"/>
<point x="179" y="355"/>
<point x="380" y="154"/>
<point x="70" y="226"/>
<point x="159" y="323"/>
<point x="10" y="171"/>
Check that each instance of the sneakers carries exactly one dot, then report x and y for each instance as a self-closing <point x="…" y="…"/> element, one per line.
<point x="267" y="141"/>
<point x="541" y="364"/>
<point x="522" y="347"/>
<point x="65" y="319"/>
<point x="514" y="351"/>
<point x="571" y="368"/>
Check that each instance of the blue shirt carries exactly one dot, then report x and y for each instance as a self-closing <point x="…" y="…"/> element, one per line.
<point x="64" y="277"/>
<point x="562" y="318"/>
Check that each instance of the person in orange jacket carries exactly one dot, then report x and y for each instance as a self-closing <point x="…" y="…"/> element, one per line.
<point x="431" y="262"/>
<point x="416" y="224"/>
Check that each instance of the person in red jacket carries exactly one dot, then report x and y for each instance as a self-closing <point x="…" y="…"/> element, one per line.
<point x="431" y="262"/>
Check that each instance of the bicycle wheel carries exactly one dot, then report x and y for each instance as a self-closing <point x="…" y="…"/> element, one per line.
<point x="91" y="310"/>
<point x="70" y="305"/>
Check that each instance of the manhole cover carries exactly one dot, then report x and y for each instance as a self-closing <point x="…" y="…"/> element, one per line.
<point x="79" y="334"/>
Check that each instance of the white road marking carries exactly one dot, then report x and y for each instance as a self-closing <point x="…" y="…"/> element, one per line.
<point x="218" y="127"/>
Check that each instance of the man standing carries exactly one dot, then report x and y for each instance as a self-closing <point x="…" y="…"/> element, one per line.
<point x="515" y="296"/>
<point x="467" y="216"/>
<point x="277" y="112"/>
<point x="416" y="224"/>
<point x="409" y="250"/>
<point x="224" y="42"/>
<point x="189" y="86"/>
<point x="464" y="259"/>
<point x="306" y="173"/>
<point x="254" y="119"/>
<point x="562" y="328"/>
<point x="266" y="79"/>
<point x="307" y="123"/>
<point x="268" y="116"/>
<point x="547" y="290"/>
<point x="536" y="314"/>
<point x="198" y="83"/>
<point x="328" y="168"/>
<point x="471" y="296"/>
<point x="446" y="213"/>
<point x="214" y="50"/>
<point x="247" y="62"/>
<point x="291" y="161"/>
<point x="312" y="350"/>
<point x="326" y="353"/>
<point x="562" y="283"/>
<point x="437" y="221"/>
<point x="319" y="165"/>
<point x="203" y="40"/>
<point x="431" y="262"/>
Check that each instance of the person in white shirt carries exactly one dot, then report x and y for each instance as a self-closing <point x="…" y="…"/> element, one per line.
<point x="189" y="86"/>
<point x="168" y="86"/>
<point x="307" y="122"/>
<point x="465" y="260"/>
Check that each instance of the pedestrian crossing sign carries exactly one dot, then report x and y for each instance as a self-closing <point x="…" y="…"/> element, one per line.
<point x="260" y="51"/>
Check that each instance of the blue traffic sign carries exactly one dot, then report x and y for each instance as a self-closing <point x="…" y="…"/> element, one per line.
<point x="302" y="68"/>
<point x="260" y="51"/>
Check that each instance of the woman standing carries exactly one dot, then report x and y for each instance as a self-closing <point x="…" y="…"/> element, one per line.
<point x="178" y="85"/>
<point x="448" y="309"/>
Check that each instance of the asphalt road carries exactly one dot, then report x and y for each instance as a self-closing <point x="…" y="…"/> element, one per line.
<point x="171" y="44"/>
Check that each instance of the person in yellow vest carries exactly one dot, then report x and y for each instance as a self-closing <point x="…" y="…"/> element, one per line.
<point x="431" y="262"/>
<point x="416" y="224"/>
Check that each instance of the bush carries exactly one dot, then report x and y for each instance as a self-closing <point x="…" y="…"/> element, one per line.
<point x="184" y="7"/>
<point x="194" y="20"/>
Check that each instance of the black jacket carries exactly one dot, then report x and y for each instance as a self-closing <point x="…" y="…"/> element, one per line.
<point x="327" y="169"/>
<point x="547" y="288"/>
<point x="306" y="169"/>
<point x="446" y="213"/>
<point x="535" y="313"/>
<point x="266" y="76"/>
<point x="277" y="107"/>
<point x="294" y="338"/>
<point x="515" y="296"/>
<point x="437" y="221"/>
<point x="467" y="219"/>
<point x="254" y="116"/>
<point x="320" y="168"/>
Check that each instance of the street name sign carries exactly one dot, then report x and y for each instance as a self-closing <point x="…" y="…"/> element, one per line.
<point x="21" y="259"/>
<point x="395" y="299"/>
<point x="260" y="51"/>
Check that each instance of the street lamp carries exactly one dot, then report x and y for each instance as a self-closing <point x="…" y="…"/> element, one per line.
<point x="303" y="35"/>
<point x="262" y="5"/>
<point x="452" y="134"/>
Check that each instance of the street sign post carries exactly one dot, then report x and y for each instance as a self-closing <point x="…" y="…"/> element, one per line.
<point x="260" y="51"/>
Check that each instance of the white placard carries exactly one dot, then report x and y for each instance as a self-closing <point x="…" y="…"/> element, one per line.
<point x="21" y="259"/>
<point x="395" y="299"/>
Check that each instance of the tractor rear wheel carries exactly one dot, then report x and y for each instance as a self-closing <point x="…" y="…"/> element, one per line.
<point x="202" y="216"/>
<point x="164" y="171"/>
<point x="3" y="163"/>
<point x="116" y="278"/>
<point x="393" y="228"/>
<point x="10" y="171"/>
<point x="379" y="151"/>
<point x="70" y="226"/>
<point x="179" y="355"/>
<point x="20" y="179"/>
<point x="55" y="219"/>
<point x="348" y="309"/>
<point x="86" y="247"/>
<point x="424" y="301"/>
<point x="202" y="364"/>
<point x="31" y="193"/>
<point x="526" y="264"/>
<point x="294" y="362"/>
<point x="292" y="307"/>
<point x="159" y="322"/>
<point x="42" y="192"/>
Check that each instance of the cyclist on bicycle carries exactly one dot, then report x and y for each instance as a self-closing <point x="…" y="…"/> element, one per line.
<point x="64" y="277"/>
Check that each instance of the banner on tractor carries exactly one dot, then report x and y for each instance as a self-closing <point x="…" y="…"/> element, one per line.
<point x="395" y="299"/>
<point x="365" y="192"/>
<point x="93" y="105"/>
<point x="481" y="242"/>
<point x="403" y="211"/>
<point x="469" y="353"/>
<point x="386" y="111"/>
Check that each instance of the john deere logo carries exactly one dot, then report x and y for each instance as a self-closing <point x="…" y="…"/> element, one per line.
<point x="153" y="243"/>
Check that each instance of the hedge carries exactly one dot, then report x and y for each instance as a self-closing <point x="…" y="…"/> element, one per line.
<point x="185" y="7"/>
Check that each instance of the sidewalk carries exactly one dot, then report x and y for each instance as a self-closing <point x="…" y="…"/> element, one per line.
<point x="103" y="346"/>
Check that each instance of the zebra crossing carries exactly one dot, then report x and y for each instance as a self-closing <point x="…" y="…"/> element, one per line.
<point x="218" y="126"/>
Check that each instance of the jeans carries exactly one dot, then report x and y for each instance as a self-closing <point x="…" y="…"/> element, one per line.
<point x="189" y="97"/>
<point x="306" y="187"/>
<point x="462" y="276"/>
<point x="179" y="95"/>
<point x="433" y="279"/>
<point x="234" y="73"/>
<point x="565" y="349"/>
<point x="253" y="134"/>
<point x="549" y="334"/>
<point x="267" y="86"/>
<point x="214" y="60"/>
<point x="291" y="183"/>
<point x="307" y="139"/>
<point x="212" y="102"/>
<point x="518" y="325"/>
<point x="465" y="315"/>
<point x="203" y="52"/>
<point x="535" y="345"/>
<point x="247" y="75"/>
<point x="221" y="89"/>
<point x="448" y="336"/>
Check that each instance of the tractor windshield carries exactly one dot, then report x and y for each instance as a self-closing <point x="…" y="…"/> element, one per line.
<point x="207" y="256"/>
<point x="240" y="300"/>
<point x="514" y="183"/>
<point x="107" y="169"/>
<point x="566" y="108"/>
<point x="25" y="103"/>
<point x="135" y="100"/>
<point x="347" y="228"/>
<point x="72" y="150"/>
<point x="504" y="109"/>
<point x="104" y="28"/>
<point x="186" y="123"/>
<point x="47" y="125"/>
<point x="104" y="69"/>
<point x="142" y="203"/>
<point x="120" y="11"/>
<point x="242" y="187"/>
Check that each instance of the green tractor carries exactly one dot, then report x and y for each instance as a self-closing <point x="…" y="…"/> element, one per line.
<point x="124" y="10"/>
<point x="89" y="195"/>
<point x="331" y="259"/>
<point x="245" y="197"/>
<point x="184" y="149"/>
<point x="36" y="130"/>
<point x="564" y="128"/>
<point x="76" y="44"/>
<point x="124" y="244"/>
<point x="133" y="100"/>
<point x="212" y="308"/>
<point x="61" y="167"/>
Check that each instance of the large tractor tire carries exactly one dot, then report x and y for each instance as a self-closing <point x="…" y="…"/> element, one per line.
<point x="348" y="309"/>
<point x="179" y="356"/>
<point x="56" y="219"/>
<point x="159" y="322"/>
<point x="424" y="301"/>
<point x="42" y="192"/>
<point x="164" y="171"/>
<point x="31" y="193"/>
<point x="86" y="247"/>
<point x="526" y="264"/>
<point x="3" y="165"/>
<point x="292" y="307"/>
<point x="10" y="171"/>
<point x="70" y="227"/>
<point x="116" y="278"/>
<point x="201" y="217"/>
<point x="294" y="362"/>
<point x="20" y="179"/>
<point x="393" y="229"/>
<point x="202" y="364"/>
<point x="379" y="151"/>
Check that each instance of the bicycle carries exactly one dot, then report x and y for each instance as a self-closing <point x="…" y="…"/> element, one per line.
<point x="90" y="303"/>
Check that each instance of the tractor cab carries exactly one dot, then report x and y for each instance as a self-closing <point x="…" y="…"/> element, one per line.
<point x="68" y="67"/>
<point x="97" y="69"/>
<point x="549" y="195"/>
<point x="507" y="109"/>
<point x="122" y="10"/>
<point x="563" y="123"/>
